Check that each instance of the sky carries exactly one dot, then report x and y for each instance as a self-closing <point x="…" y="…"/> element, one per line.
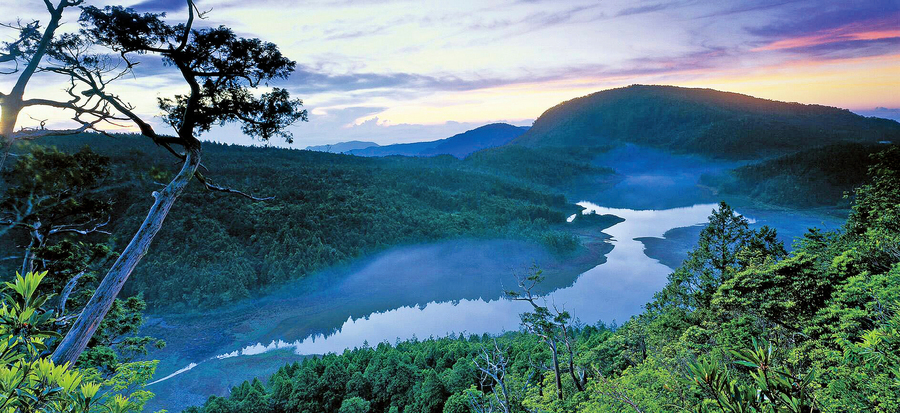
<point x="393" y="71"/>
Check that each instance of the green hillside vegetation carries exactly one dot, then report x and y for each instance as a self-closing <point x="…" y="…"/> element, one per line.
<point x="700" y="121"/>
<point x="741" y="326"/>
<point x="327" y="209"/>
<point x="550" y="167"/>
<point x="811" y="178"/>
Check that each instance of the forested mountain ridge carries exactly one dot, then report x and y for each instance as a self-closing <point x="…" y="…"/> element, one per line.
<point x="701" y="121"/>
<point x="327" y="209"/>
<point x="342" y="147"/>
<point x="459" y="145"/>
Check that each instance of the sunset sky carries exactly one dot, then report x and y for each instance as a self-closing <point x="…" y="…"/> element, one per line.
<point x="399" y="71"/>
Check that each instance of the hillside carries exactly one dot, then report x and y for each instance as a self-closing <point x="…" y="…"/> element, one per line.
<point x="811" y="178"/>
<point x="460" y="146"/>
<point x="742" y="323"/>
<point x="327" y="209"/>
<point x="342" y="147"/>
<point x="701" y="121"/>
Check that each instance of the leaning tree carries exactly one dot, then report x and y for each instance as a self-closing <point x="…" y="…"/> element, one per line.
<point x="221" y="71"/>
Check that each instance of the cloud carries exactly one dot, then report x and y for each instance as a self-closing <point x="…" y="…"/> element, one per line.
<point x="644" y="9"/>
<point x="879" y="28"/>
<point x="812" y="17"/>
<point x="162" y="5"/>
<point x="329" y="126"/>
<point x="413" y="62"/>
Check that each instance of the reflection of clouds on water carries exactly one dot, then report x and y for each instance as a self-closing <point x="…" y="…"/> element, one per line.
<point x="615" y="290"/>
<point x="177" y="372"/>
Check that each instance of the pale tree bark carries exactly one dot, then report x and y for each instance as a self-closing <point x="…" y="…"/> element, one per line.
<point x="76" y="340"/>
<point x="267" y="113"/>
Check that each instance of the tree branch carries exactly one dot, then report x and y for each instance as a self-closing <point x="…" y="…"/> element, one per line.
<point x="67" y="290"/>
<point x="213" y="187"/>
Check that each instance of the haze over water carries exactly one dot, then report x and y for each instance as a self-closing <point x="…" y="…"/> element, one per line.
<point x="453" y="287"/>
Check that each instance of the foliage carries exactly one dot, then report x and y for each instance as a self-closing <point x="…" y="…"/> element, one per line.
<point x="742" y="326"/>
<point x="810" y="178"/>
<point x="327" y="209"/>
<point x="31" y="382"/>
<point x="69" y="207"/>
<point x="771" y="388"/>
<point x="545" y="166"/>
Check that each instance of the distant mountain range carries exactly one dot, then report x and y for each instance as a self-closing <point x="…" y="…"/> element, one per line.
<point x="460" y="146"/>
<point x="342" y="147"/>
<point x="677" y="119"/>
<point x="701" y="121"/>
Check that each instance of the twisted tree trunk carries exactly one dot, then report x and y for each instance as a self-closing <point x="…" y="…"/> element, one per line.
<point x="81" y="332"/>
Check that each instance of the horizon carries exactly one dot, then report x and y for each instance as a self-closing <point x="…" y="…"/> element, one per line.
<point x="395" y="71"/>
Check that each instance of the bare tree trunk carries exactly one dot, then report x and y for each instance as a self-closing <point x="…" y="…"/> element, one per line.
<point x="81" y="332"/>
<point x="553" y="351"/>
<point x="28" y="260"/>
<point x="578" y="383"/>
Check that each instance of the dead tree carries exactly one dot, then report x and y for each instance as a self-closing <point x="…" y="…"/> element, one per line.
<point x="220" y="70"/>
<point x="493" y="365"/>
<point x="561" y="318"/>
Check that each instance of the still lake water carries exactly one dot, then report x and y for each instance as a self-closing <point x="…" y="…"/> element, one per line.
<point x="454" y="287"/>
<point x="422" y="291"/>
<point x="614" y="290"/>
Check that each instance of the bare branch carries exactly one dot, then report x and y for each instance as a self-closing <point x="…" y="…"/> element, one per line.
<point x="213" y="187"/>
<point x="76" y="229"/>
<point x="66" y="292"/>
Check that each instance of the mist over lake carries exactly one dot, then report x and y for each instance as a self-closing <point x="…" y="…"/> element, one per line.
<point x="388" y="206"/>
<point x="457" y="287"/>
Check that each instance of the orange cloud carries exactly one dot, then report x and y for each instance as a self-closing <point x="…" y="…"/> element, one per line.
<point x="879" y="29"/>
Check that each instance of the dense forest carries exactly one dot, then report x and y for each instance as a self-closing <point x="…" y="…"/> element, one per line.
<point x="741" y="326"/>
<point x="811" y="178"/>
<point x="326" y="209"/>
<point x="701" y="121"/>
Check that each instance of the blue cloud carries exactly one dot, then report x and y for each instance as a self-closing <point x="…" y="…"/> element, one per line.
<point x="161" y="5"/>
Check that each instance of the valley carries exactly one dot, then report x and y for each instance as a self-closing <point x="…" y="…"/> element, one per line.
<point x="456" y="287"/>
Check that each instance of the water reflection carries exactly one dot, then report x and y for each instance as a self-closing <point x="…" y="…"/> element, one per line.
<point x="611" y="291"/>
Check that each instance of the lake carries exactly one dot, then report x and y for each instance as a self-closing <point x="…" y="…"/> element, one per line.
<point x="457" y="286"/>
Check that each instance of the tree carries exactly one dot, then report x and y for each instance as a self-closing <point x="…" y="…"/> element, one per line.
<point x="52" y="194"/>
<point x="31" y="49"/>
<point x="355" y="405"/>
<point x="30" y="382"/>
<point x="726" y="246"/>
<point x="539" y="321"/>
<point x="220" y="70"/>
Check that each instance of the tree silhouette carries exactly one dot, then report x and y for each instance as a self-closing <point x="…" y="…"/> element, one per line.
<point x="220" y="70"/>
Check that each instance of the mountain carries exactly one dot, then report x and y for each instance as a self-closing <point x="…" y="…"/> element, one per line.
<point x="701" y="121"/>
<point x="460" y="146"/>
<point x="342" y="147"/>
<point x="404" y="149"/>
